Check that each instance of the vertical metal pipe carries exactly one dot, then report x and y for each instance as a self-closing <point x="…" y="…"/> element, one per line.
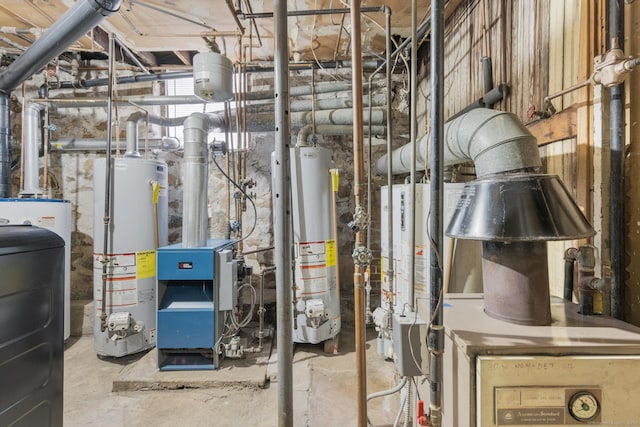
<point x="616" y="206"/>
<point x="358" y="180"/>
<point x="5" y="149"/>
<point x="32" y="131"/>
<point x="283" y="218"/>
<point x="195" y="176"/>
<point x="414" y="127"/>
<point x="435" y="338"/>
<point x="107" y="184"/>
<point x="390" y="255"/>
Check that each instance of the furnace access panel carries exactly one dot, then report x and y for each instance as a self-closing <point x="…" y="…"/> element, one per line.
<point x="579" y="371"/>
<point x="558" y="391"/>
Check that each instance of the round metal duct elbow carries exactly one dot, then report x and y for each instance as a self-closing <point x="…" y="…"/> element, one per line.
<point x="496" y="141"/>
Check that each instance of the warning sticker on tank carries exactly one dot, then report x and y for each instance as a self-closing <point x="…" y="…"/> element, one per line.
<point x="122" y="281"/>
<point x="311" y="268"/>
<point x="331" y="252"/>
<point x="146" y="264"/>
<point x="47" y="221"/>
<point x="122" y="291"/>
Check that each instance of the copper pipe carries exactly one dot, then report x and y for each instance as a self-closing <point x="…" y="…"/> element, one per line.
<point x="335" y="51"/>
<point x="485" y="36"/>
<point x="227" y="137"/>
<point x="232" y="9"/>
<point x="358" y="178"/>
<point x="334" y="202"/>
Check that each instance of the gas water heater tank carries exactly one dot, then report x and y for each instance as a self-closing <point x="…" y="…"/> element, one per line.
<point x="212" y="77"/>
<point x="317" y="296"/>
<point x="138" y="225"/>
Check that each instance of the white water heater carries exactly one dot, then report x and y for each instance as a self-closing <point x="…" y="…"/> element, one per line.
<point x="466" y="266"/>
<point x="138" y="225"/>
<point x="317" y="297"/>
<point x="54" y="215"/>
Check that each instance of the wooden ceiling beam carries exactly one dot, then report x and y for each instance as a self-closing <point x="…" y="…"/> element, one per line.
<point x="183" y="56"/>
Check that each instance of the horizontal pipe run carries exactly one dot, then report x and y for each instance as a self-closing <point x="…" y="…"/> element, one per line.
<point x="145" y="100"/>
<point x="342" y="11"/>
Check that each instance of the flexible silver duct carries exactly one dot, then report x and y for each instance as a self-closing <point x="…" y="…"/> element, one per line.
<point x="31" y="147"/>
<point x="195" y="173"/>
<point x="496" y="141"/>
<point x="78" y="20"/>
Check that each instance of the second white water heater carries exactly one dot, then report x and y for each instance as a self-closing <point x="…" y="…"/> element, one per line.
<point x="317" y="297"/>
<point x="138" y="225"/>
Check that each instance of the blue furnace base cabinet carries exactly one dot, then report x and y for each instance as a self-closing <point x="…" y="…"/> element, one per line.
<point x="196" y="286"/>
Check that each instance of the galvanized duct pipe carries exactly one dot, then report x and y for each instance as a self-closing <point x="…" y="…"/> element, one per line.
<point x="132" y="129"/>
<point x="78" y="20"/>
<point x="75" y="23"/>
<point x="282" y="218"/>
<point x="496" y="141"/>
<point x="195" y="175"/>
<point x="5" y="149"/>
<point x="31" y="147"/>
<point x="615" y="32"/>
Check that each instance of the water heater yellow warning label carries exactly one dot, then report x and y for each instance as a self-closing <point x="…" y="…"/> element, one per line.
<point x="146" y="264"/>
<point x="330" y="247"/>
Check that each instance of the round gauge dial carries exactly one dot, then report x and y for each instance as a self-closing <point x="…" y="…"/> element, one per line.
<point x="583" y="406"/>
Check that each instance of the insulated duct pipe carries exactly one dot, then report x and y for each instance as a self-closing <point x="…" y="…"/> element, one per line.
<point x="616" y="206"/>
<point x="31" y="147"/>
<point x="283" y="241"/>
<point x="5" y="149"/>
<point x="195" y="175"/>
<point x="496" y="141"/>
<point x="75" y="23"/>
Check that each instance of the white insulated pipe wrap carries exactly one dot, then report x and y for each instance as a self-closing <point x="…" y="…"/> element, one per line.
<point x="496" y="141"/>
<point x="195" y="175"/>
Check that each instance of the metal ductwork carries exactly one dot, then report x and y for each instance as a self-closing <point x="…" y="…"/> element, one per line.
<point x="78" y="20"/>
<point x="195" y="175"/>
<point x="216" y="121"/>
<point x="496" y="141"/>
<point x="5" y="149"/>
<point x="31" y="147"/>
<point x="510" y="208"/>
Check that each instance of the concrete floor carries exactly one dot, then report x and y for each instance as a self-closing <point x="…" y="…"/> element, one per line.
<point x="238" y="394"/>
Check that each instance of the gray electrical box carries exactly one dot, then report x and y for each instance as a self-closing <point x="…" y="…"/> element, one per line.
<point x="410" y="344"/>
